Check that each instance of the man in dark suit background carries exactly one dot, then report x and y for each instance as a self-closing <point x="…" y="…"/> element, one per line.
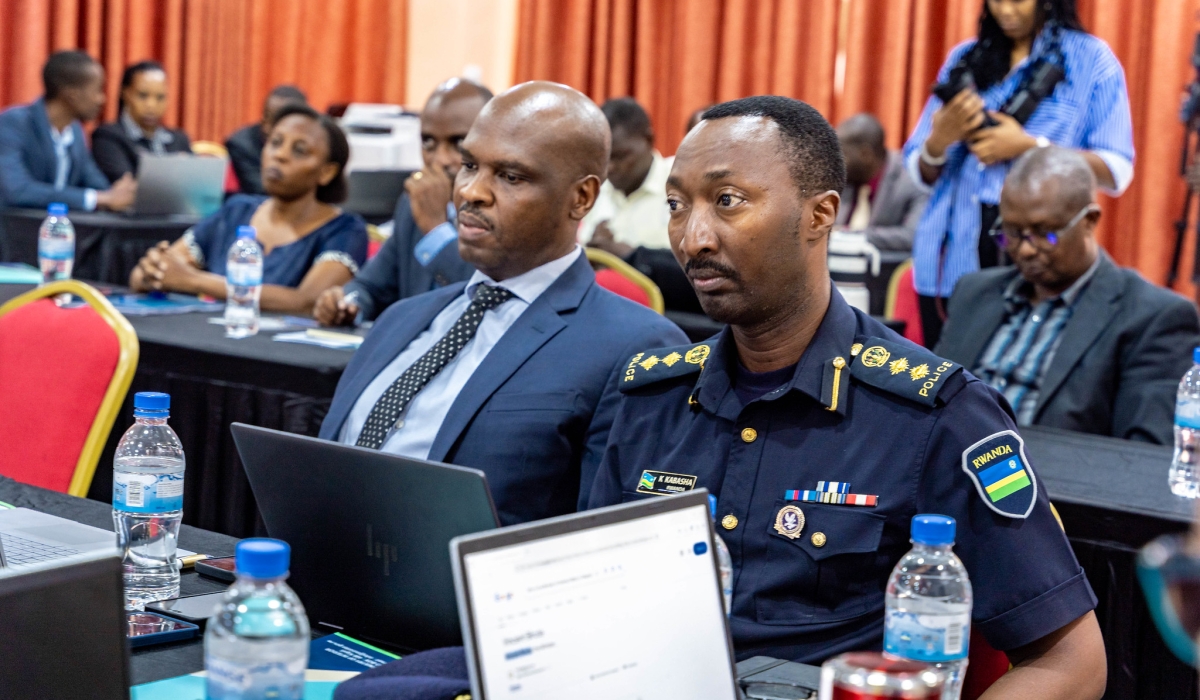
<point x="246" y="144"/>
<point x="44" y="155"/>
<point x="505" y="372"/>
<point x="880" y="198"/>
<point x="421" y="253"/>
<point x="1069" y="338"/>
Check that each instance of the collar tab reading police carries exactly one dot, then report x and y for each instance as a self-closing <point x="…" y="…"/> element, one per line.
<point x="664" y="363"/>
<point x="905" y="370"/>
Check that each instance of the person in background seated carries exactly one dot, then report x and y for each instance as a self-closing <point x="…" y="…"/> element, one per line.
<point x="1069" y="338"/>
<point x="696" y="118"/>
<point x="504" y="372"/>
<point x="422" y="253"/>
<point x="138" y="129"/>
<point x="245" y="146"/>
<point x="44" y="156"/>
<point x="309" y="244"/>
<point x="880" y="198"/>
<point x="631" y="210"/>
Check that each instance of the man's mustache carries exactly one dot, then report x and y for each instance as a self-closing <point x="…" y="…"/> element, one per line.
<point x="697" y="264"/>
<point x="473" y="210"/>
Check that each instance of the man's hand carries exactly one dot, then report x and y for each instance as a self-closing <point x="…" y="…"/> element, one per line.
<point x="120" y="196"/>
<point x="602" y="238"/>
<point x="957" y="118"/>
<point x="333" y="309"/>
<point x="163" y="270"/>
<point x="1002" y="142"/>
<point x="429" y="190"/>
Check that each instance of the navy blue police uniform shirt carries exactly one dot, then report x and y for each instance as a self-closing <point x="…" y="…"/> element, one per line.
<point x="817" y="481"/>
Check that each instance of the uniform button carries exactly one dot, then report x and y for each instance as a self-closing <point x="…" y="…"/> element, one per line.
<point x="749" y="434"/>
<point x="818" y="539"/>
<point x="729" y="521"/>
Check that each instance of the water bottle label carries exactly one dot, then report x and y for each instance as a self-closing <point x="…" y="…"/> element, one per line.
<point x="56" y="248"/>
<point x="930" y="638"/>
<point x="147" y="493"/>
<point x="230" y="680"/>
<point x="243" y="274"/>
<point x="1187" y="413"/>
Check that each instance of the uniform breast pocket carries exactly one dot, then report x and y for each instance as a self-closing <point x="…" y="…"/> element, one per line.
<point x="830" y="571"/>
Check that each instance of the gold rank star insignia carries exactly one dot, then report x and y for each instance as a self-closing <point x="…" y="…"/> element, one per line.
<point x="875" y="356"/>
<point x="671" y="359"/>
<point x="898" y="366"/>
<point x="855" y="349"/>
<point x="649" y="362"/>
<point x="919" y="372"/>
<point x="697" y="355"/>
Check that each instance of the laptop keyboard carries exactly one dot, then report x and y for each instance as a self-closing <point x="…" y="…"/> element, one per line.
<point x="19" y="551"/>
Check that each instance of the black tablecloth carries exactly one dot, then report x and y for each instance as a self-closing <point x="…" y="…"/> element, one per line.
<point x="150" y="663"/>
<point x="107" y="245"/>
<point x="1113" y="498"/>
<point x="214" y="381"/>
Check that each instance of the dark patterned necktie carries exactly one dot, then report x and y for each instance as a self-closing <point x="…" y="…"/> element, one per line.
<point x="388" y="408"/>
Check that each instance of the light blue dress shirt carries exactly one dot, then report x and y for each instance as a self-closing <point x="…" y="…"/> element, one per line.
<point x="438" y="237"/>
<point x="418" y="426"/>
<point x="63" y="140"/>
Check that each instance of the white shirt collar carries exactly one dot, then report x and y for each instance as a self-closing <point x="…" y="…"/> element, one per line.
<point x="63" y="138"/>
<point x="529" y="286"/>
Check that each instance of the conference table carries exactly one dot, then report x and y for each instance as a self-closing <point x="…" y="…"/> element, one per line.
<point x="107" y="245"/>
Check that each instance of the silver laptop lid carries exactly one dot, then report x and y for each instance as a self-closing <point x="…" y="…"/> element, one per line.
<point x="619" y="602"/>
<point x="180" y="184"/>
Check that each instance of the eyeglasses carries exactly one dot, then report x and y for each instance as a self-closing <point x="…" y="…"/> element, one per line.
<point x="1011" y="237"/>
<point x="1170" y="578"/>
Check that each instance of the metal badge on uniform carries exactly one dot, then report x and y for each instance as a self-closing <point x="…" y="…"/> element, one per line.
<point x="789" y="522"/>
<point x="1000" y="470"/>
<point x="665" y="483"/>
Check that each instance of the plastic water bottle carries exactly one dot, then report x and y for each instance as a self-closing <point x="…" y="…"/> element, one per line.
<point x="1184" y="477"/>
<point x="56" y="244"/>
<point x="724" y="561"/>
<point x="256" y="647"/>
<point x="243" y="284"/>
<point x="928" y="614"/>
<point x="148" y="501"/>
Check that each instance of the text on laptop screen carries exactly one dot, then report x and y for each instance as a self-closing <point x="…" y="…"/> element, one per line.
<point x="628" y="610"/>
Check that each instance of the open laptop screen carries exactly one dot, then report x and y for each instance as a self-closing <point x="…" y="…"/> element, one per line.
<point x="627" y="609"/>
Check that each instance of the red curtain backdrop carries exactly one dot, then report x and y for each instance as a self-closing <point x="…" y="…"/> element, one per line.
<point x="222" y="56"/>
<point x="846" y="56"/>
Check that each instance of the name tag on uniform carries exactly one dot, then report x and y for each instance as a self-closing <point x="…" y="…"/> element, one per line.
<point x="665" y="483"/>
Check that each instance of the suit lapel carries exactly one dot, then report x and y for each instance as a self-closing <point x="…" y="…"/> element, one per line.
<point x="988" y="314"/>
<point x="42" y="124"/>
<point x="533" y="329"/>
<point x="1092" y="311"/>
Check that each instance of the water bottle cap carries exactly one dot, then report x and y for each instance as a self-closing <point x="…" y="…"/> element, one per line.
<point x="152" y="401"/>
<point x="1196" y="356"/>
<point x="57" y="209"/>
<point x="246" y="232"/>
<point x="262" y="557"/>
<point x="712" y="505"/>
<point x="933" y="529"/>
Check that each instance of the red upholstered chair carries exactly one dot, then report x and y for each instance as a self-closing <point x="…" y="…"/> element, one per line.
<point x="64" y="373"/>
<point x="902" y="302"/>
<point x="619" y="277"/>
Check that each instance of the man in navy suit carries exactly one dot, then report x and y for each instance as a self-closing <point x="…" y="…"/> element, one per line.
<point x="44" y="157"/>
<point x="504" y="372"/>
<point x="421" y="253"/>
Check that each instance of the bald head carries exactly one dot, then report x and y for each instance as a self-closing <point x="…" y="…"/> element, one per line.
<point x="532" y="167"/>
<point x="448" y="115"/>
<point x="1061" y="170"/>
<point x="863" y="147"/>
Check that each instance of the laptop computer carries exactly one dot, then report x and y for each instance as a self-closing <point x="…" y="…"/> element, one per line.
<point x="62" y="630"/>
<point x="619" y="602"/>
<point x="179" y="184"/>
<point x="369" y="532"/>
<point x="30" y="537"/>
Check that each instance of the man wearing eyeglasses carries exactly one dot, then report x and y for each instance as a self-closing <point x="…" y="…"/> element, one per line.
<point x="1069" y="338"/>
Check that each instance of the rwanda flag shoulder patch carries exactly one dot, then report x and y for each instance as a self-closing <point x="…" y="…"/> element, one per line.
<point x="1000" y="470"/>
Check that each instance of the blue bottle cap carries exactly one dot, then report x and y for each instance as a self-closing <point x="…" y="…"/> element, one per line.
<point x="57" y="209"/>
<point x="246" y="232"/>
<point x="262" y="557"/>
<point x="152" y="401"/>
<point x="1196" y="356"/>
<point x="933" y="529"/>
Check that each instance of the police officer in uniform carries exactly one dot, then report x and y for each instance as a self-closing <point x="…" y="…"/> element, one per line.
<point x="822" y="432"/>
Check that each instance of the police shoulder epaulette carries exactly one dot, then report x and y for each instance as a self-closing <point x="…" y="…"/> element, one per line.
<point x="665" y="363"/>
<point x="911" y="372"/>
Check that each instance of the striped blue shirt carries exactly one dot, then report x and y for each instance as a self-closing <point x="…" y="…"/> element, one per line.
<point x="1023" y="346"/>
<point x="1088" y="110"/>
